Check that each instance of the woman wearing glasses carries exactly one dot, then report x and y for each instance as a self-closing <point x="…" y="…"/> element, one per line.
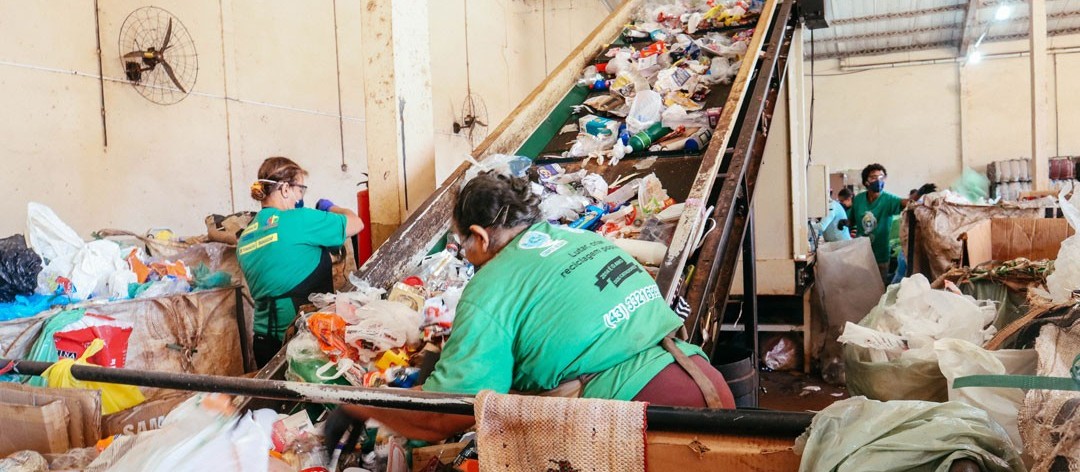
<point x="284" y="252"/>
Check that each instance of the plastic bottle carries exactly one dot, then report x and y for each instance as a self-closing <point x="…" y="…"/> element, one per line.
<point x="311" y="455"/>
<point x="642" y="140"/>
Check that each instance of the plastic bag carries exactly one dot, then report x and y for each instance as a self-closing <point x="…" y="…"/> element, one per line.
<point x="861" y="434"/>
<point x="19" y="268"/>
<point x="48" y="235"/>
<point x="24" y="461"/>
<point x="781" y="353"/>
<point x="645" y="111"/>
<point x="75" y="338"/>
<point x="501" y="163"/>
<point x="383" y="325"/>
<point x="958" y="358"/>
<point x="1066" y="275"/>
<point x="973" y="186"/>
<point x="562" y="207"/>
<point x="44" y="348"/>
<point x="676" y="116"/>
<point x="203" y="431"/>
<point x="84" y="273"/>
<point x="305" y="359"/>
<point x="849" y="286"/>
<point x="114" y="397"/>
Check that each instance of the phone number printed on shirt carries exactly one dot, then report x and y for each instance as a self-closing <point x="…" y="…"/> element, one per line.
<point x="632" y="303"/>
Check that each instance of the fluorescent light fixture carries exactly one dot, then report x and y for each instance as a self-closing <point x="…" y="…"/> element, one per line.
<point x="1004" y="11"/>
<point x="975" y="57"/>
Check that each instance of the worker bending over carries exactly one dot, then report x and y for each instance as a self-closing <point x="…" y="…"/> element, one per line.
<point x="550" y="310"/>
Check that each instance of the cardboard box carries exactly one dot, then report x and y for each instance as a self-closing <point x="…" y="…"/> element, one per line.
<point x="1002" y="239"/>
<point x="82" y="409"/>
<point x="41" y="428"/>
<point x="444" y="453"/>
<point x="143" y="417"/>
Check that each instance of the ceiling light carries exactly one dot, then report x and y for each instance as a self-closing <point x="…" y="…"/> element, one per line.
<point x="1003" y="12"/>
<point x="975" y="57"/>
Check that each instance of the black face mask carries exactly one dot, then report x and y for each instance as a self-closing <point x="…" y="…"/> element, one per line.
<point x="876" y="186"/>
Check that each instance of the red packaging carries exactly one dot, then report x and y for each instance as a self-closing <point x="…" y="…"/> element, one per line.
<point x="75" y="337"/>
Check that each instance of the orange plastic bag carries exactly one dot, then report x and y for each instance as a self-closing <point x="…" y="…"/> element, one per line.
<point x="114" y="397"/>
<point x="329" y="331"/>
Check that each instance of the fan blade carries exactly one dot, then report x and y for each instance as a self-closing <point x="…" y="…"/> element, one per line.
<point x="133" y="55"/>
<point x="168" y="70"/>
<point x="168" y="36"/>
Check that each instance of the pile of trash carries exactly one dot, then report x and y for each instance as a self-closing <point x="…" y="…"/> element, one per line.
<point x="58" y="267"/>
<point x="369" y="338"/>
<point x="652" y="98"/>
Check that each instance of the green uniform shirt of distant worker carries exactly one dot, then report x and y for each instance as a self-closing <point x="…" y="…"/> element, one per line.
<point x="278" y="250"/>
<point x="872" y="211"/>
<point x="548" y="282"/>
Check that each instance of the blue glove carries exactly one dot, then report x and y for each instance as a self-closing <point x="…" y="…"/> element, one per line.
<point x="324" y="204"/>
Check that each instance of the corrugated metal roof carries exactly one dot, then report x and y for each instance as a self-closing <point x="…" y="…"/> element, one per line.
<point x="861" y="28"/>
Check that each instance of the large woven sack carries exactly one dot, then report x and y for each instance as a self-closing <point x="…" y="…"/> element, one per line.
<point x="1050" y="419"/>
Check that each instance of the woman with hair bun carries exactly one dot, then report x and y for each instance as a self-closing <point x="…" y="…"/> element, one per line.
<point x="551" y="311"/>
<point x="284" y="252"/>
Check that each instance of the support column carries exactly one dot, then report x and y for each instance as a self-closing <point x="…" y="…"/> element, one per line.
<point x="383" y="141"/>
<point x="412" y="64"/>
<point x="797" y="145"/>
<point x="1040" y="149"/>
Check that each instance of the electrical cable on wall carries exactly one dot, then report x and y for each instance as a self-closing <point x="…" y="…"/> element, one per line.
<point x="810" y="133"/>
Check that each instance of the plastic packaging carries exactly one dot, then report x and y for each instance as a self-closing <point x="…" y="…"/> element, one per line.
<point x="73" y="340"/>
<point x="958" y="358"/>
<point x="48" y="235"/>
<point x="24" y="461"/>
<point x="643" y="139"/>
<point x="781" y="353"/>
<point x="562" y="207"/>
<point x="114" y="397"/>
<point x="19" y="268"/>
<point x="644" y="111"/>
<point x="652" y="198"/>
<point x="383" y="325"/>
<point x="676" y="116"/>
<point x="861" y="434"/>
<point x="1066" y="275"/>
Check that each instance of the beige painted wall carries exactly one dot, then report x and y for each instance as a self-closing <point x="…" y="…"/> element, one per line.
<point x="925" y="122"/>
<point x="268" y="84"/>
<point x="511" y="44"/>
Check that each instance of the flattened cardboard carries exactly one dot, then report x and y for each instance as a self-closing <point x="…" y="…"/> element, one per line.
<point x="1003" y="239"/>
<point x="83" y="406"/>
<point x="145" y="417"/>
<point x="41" y="428"/>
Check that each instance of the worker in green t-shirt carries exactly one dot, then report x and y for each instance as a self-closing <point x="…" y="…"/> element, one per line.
<point x="285" y="251"/>
<point x="872" y="212"/>
<point x="551" y="310"/>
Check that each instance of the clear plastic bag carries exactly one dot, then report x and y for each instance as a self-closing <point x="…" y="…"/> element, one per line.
<point x="645" y="111"/>
<point x="383" y="325"/>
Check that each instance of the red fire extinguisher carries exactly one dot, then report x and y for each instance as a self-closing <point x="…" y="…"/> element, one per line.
<point x="363" y="209"/>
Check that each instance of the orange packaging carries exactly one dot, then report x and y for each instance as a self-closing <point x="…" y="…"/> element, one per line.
<point x="176" y="269"/>
<point x="137" y="266"/>
<point x="329" y="330"/>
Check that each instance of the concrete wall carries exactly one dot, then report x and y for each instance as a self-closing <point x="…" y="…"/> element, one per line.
<point x="511" y="45"/>
<point x="267" y="85"/>
<point x="271" y="81"/>
<point x="925" y="121"/>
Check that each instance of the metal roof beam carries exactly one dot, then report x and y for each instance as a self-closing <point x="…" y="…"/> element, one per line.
<point x="898" y="15"/>
<point x="890" y="34"/>
<point x="967" y="35"/>
<point x="935" y="44"/>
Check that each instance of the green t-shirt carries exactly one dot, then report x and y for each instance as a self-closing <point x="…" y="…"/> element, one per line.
<point x="557" y="303"/>
<point x="278" y="250"/>
<point x="874" y="220"/>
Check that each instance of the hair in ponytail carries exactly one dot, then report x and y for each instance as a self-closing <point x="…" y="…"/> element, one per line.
<point x="274" y="172"/>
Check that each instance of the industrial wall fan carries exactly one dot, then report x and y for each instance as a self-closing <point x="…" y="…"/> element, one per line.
<point x="473" y="120"/>
<point x="158" y="55"/>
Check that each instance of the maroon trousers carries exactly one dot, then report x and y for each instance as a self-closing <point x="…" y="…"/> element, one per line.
<point x="674" y="387"/>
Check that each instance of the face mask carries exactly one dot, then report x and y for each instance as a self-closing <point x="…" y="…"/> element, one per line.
<point x="876" y="186"/>
<point x="299" y="203"/>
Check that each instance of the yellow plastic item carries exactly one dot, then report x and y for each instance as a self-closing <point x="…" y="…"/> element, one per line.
<point x="392" y="357"/>
<point x="114" y="397"/>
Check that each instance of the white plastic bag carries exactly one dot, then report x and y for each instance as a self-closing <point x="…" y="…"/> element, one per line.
<point x="1066" y="275"/>
<point x="958" y="358"/>
<point x="200" y="434"/>
<point x="48" y="236"/>
<point x="383" y="325"/>
<point x="645" y="111"/>
<point x="676" y="116"/>
<point x="922" y="315"/>
<point x="88" y="269"/>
